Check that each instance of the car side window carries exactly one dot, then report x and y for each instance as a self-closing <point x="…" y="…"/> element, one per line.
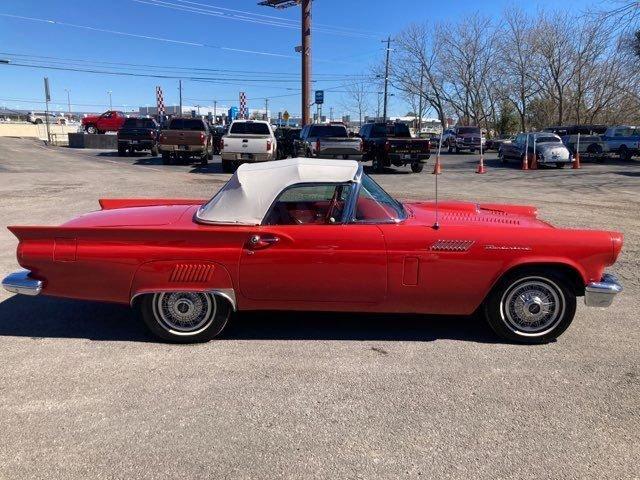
<point x="316" y="204"/>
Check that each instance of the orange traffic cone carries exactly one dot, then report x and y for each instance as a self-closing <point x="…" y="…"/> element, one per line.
<point x="481" y="168"/>
<point x="437" y="169"/>
<point x="534" y="162"/>
<point x="576" y="162"/>
<point x="525" y="162"/>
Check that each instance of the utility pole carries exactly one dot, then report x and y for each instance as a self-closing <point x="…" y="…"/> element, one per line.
<point x="47" y="99"/>
<point x="215" y="113"/>
<point x="331" y="114"/>
<point x="68" y="102"/>
<point x="304" y="49"/>
<point x="420" y="100"/>
<point x="386" y="80"/>
<point x="110" y="101"/>
<point x="266" y="109"/>
<point x="180" y="89"/>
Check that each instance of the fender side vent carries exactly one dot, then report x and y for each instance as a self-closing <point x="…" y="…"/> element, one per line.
<point x="452" y="245"/>
<point x="191" y="273"/>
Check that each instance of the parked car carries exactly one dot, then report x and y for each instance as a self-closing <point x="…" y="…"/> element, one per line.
<point x="138" y="134"/>
<point x="494" y="143"/>
<point x="590" y="146"/>
<point x="623" y="140"/>
<point x="312" y="234"/>
<point x="464" y="138"/>
<point x="41" y="117"/>
<point x="186" y="139"/>
<point x="547" y="147"/>
<point x="563" y="130"/>
<point x="287" y="138"/>
<point x="387" y="144"/>
<point x="110" y="121"/>
<point x="328" y="141"/>
<point x="248" y="141"/>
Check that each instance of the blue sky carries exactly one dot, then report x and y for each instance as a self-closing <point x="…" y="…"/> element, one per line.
<point x="346" y="42"/>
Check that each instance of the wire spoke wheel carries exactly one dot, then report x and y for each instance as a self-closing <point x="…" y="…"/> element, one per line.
<point x="532" y="306"/>
<point x="184" y="313"/>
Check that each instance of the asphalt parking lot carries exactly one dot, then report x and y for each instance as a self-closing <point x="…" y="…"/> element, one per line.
<point x="86" y="393"/>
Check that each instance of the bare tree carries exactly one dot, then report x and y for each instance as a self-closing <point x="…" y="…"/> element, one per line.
<point x="357" y="98"/>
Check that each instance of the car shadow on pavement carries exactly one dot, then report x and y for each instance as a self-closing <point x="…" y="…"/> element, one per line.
<point x="208" y="168"/>
<point x="46" y="317"/>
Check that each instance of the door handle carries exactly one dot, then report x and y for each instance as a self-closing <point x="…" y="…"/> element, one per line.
<point x="256" y="242"/>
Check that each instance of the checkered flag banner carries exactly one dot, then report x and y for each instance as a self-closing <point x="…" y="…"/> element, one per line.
<point x="160" y="101"/>
<point x="243" y="106"/>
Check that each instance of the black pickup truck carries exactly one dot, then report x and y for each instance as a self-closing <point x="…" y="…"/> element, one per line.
<point x="137" y="134"/>
<point x="387" y="144"/>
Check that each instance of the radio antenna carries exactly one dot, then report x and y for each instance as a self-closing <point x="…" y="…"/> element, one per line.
<point x="436" y="225"/>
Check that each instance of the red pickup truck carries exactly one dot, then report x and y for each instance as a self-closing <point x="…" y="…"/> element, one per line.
<point x="110" y="121"/>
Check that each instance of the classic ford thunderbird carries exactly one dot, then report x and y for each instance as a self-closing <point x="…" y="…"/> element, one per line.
<point x="311" y="234"/>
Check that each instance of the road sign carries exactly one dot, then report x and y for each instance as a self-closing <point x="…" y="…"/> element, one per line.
<point x="285" y="116"/>
<point x="319" y="97"/>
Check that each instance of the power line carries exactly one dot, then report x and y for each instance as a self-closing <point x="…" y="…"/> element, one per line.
<point x="269" y="20"/>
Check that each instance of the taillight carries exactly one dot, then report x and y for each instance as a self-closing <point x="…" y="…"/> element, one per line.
<point x="202" y="137"/>
<point x="387" y="146"/>
<point x="268" y="145"/>
<point x="318" y="145"/>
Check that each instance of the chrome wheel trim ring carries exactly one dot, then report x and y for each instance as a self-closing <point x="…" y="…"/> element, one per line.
<point x="184" y="313"/>
<point x="532" y="306"/>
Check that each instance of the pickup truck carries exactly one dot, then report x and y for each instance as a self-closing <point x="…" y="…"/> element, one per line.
<point x="184" y="139"/>
<point x="464" y="138"/>
<point x="248" y="141"/>
<point x="328" y="141"/>
<point x="138" y="134"/>
<point x="623" y="140"/>
<point x="387" y="144"/>
<point x="110" y="121"/>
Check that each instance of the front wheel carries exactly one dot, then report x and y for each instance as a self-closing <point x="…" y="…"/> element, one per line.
<point x="417" y="167"/>
<point x="185" y="317"/>
<point x="560" y="165"/>
<point x="91" y="129"/>
<point x="530" y="307"/>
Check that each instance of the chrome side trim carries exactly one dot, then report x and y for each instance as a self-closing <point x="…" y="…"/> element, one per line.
<point x="20" y="282"/>
<point x="602" y="293"/>
<point x="226" y="293"/>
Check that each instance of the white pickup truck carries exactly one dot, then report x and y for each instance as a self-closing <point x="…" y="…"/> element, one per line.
<point x="247" y="141"/>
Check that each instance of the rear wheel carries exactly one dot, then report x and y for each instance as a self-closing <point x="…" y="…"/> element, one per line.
<point x="449" y="147"/>
<point x="533" y="306"/>
<point x="122" y="151"/>
<point x="625" y="153"/>
<point x="227" y="166"/>
<point x="166" y="158"/>
<point x="417" y="167"/>
<point x="185" y="317"/>
<point x="154" y="151"/>
<point x="560" y="165"/>
<point x="377" y="164"/>
<point x="91" y="129"/>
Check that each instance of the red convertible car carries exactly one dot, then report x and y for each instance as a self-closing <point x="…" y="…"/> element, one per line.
<point x="311" y="234"/>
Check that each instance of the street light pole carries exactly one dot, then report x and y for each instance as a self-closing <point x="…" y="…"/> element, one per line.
<point x="110" y="100"/>
<point x="68" y="102"/>
<point x="386" y="80"/>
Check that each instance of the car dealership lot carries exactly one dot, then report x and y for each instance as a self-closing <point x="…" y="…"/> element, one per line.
<point x="86" y="393"/>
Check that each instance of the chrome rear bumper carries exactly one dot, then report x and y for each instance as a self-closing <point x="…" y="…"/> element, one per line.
<point x="602" y="293"/>
<point x="20" y="282"/>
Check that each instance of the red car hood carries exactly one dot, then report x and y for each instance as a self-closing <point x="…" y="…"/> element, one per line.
<point x="457" y="213"/>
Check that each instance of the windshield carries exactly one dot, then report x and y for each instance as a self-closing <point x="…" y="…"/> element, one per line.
<point x="548" y="140"/>
<point x="468" y="130"/>
<point x="249" y="128"/>
<point x="376" y="205"/>
<point x="140" y="123"/>
<point x="328" y="131"/>
<point x="397" y="130"/>
<point x="186" y="124"/>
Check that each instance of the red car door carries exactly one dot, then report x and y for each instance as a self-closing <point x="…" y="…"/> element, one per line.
<point x="315" y="263"/>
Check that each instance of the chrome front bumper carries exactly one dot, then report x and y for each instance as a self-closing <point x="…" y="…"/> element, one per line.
<point x="602" y="293"/>
<point x="20" y="282"/>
